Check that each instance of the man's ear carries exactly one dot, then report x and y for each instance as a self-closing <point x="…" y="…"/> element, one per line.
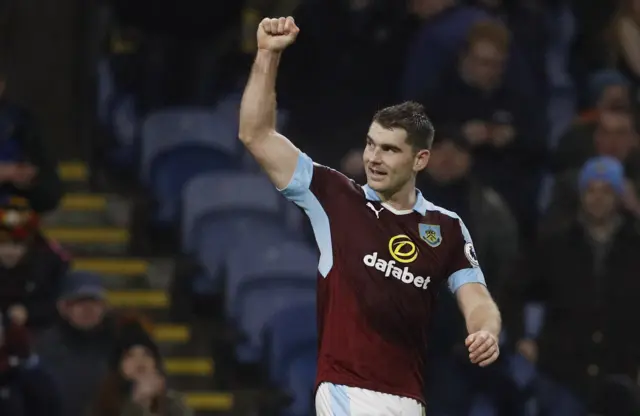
<point x="421" y="160"/>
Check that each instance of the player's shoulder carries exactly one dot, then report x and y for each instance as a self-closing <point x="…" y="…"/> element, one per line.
<point x="335" y="181"/>
<point x="437" y="216"/>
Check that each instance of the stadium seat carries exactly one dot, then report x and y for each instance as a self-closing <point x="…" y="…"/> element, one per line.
<point x="218" y="234"/>
<point x="223" y="194"/>
<point x="300" y="381"/>
<point x="276" y="277"/>
<point x="288" y="332"/>
<point x="178" y="145"/>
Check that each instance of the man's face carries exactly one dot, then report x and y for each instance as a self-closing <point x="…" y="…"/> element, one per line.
<point x="615" y="98"/>
<point x="390" y="162"/>
<point x="599" y="201"/>
<point x="448" y="163"/>
<point x="615" y="135"/>
<point x="83" y="313"/>
<point x="11" y="253"/>
<point x="484" y="64"/>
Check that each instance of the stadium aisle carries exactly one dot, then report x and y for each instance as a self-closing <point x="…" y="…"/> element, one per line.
<point x="94" y="228"/>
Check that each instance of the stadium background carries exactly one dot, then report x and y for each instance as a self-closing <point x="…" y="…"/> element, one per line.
<point x="136" y="103"/>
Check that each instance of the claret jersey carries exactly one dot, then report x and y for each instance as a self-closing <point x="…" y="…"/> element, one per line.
<point x="378" y="277"/>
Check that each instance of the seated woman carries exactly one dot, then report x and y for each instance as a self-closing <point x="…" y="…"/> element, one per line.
<point x="136" y="385"/>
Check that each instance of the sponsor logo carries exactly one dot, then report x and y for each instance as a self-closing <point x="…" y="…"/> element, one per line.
<point x="470" y="254"/>
<point x="430" y="234"/>
<point x="403" y="251"/>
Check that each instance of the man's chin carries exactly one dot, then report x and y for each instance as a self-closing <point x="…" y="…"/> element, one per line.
<point x="378" y="186"/>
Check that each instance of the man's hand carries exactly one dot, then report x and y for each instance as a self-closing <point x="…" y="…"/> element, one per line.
<point x="528" y="348"/>
<point x="476" y="132"/>
<point x="276" y="34"/>
<point x="147" y="387"/>
<point x="483" y="348"/>
<point x="502" y="135"/>
<point x="18" y="314"/>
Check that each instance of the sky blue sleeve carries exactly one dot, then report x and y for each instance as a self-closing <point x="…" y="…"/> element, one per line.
<point x="298" y="186"/>
<point x="465" y="264"/>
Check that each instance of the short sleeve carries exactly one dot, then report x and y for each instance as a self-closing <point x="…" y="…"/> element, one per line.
<point x="314" y="179"/>
<point x="464" y="266"/>
<point x="300" y="182"/>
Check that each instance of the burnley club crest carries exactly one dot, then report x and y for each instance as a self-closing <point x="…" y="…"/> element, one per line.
<point x="430" y="234"/>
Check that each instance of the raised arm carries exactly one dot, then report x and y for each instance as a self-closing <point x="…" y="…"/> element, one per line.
<point x="274" y="152"/>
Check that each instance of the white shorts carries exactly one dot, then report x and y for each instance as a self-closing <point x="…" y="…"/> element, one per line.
<point x="337" y="400"/>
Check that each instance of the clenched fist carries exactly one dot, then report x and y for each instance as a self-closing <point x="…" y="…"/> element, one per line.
<point x="276" y="34"/>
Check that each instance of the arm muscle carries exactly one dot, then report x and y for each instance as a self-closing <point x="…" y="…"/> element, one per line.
<point x="479" y="310"/>
<point x="274" y="152"/>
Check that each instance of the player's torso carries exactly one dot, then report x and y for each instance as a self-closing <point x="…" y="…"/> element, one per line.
<point x="391" y="265"/>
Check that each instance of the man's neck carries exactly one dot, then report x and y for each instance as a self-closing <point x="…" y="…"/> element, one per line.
<point x="602" y="231"/>
<point x="403" y="199"/>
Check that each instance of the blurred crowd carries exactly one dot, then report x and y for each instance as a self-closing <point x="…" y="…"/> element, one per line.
<point x="535" y="104"/>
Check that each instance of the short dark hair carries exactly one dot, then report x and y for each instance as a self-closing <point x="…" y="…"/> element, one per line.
<point x="410" y="117"/>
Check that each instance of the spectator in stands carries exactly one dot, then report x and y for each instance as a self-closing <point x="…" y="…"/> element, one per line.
<point x="25" y="390"/>
<point x="609" y="91"/>
<point x="444" y="28"/>
<point x="76" y="350"/>
<point x="31" y="269"/>
<point x="626" y="42"/>
<point x="614" y="134"/>
<point x="586" y="275"/>
<point x="136" y="385"/>
<point x="27" y="168"/>
<point x="504" y="128"/>
<point x="448" y="183"/>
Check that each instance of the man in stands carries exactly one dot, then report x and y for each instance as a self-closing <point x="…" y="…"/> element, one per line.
<point x="31" y="268"/>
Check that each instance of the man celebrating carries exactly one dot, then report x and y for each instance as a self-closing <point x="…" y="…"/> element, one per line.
<point x="384" y="250"/>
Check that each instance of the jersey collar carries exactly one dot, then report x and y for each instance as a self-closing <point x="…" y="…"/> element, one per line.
<point x="420" y="205"/>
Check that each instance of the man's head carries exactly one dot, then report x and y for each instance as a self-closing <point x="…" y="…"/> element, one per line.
<point x="425" y="9"/>
<point x="615" y="135"/>
<point x="610" y="91"/>
<point x="397" y="147"/>
<point x="450" y="158"/>
<point x="484" y="59"/>
<point x="83" y="300"/>
<point x="601" y="185"/>
<point x="18" y="228"/>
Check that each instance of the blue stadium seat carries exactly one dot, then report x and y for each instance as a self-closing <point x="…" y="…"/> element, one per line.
<point x="223" y="194"/>
<point x="217" y="235"/>
<point x="300" y="381"/>
<point x="290" y="331"/>
<point x="276" y="277"/>
<point x="178" y="145"/>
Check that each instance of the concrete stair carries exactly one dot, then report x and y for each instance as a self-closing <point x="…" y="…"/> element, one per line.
<point x="94" y="228"/>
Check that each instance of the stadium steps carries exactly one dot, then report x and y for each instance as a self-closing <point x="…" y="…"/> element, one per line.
<point x="95" y="229"/>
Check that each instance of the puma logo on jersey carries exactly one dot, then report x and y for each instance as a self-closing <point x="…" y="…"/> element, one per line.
<point x="376" y="211"/>
<point x="389" y="268"/>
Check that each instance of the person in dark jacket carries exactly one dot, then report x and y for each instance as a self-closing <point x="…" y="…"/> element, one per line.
<point x="504" y="127"/>
<point x="25" y="389"/>
<point x="27" y="167"/>
<point x="456" y="385"/>
<point x="586" y="276"/>
<point x="31" y="268"/>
